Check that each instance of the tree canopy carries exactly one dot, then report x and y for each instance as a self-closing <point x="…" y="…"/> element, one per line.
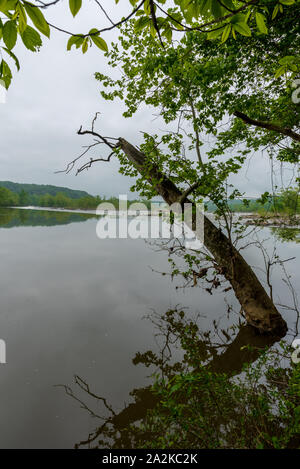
<point x="222" y="96"/>
<point x="160" y="18"/>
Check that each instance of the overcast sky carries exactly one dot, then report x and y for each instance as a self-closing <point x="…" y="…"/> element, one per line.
<point x="54" y="93"/>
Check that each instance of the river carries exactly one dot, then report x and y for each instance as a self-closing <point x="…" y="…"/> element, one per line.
<point x="74" y="304"/>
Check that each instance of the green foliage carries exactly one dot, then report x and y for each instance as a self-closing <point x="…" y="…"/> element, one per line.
<point x="210" y="18"/>
<point x="198" y="85"/>
<point x="31" y="39"/>
<point x="15" y="194"/>
<point x="7" y="198"/>
<point x="37" y="18"/>
<point x="286" y="235"/>
<point x="41" y="189"/>
<point x="288" y="201"/>
<point x="24" y="198"/>
<point x="5" y="73"/>
<point x="75" y="6"/>
<point x="200" y="407"/>
<point x="10" y="34"/>
<point x="61" y="200"/>
<point x="100" y="43"/>
<point x="205" y="393"/>
<point x="211" y="410"/>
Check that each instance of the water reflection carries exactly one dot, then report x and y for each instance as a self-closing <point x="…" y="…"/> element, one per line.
<point x="73" y="304"/>
<point x="11" y="217"/>
<point x="183" y="347"/>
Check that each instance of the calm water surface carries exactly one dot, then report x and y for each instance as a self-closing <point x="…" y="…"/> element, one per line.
<point x="72" y="304"/>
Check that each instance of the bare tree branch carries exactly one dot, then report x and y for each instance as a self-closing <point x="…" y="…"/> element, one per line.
<point x="100" y="140"/>
<point x="105" y="13"/>
<point x="109" y="28"/>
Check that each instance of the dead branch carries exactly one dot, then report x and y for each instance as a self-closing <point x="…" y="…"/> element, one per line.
<point x="100" y="140"/>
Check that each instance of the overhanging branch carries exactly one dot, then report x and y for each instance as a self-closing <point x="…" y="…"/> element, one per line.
<point x="268" y="126"/>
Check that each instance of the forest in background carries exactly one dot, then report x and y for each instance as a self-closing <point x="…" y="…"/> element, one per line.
<point x="42" y="189"/>
<point x="22" y="195"/>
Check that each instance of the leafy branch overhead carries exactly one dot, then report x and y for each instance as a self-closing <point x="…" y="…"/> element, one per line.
<point x="218" y="19"/>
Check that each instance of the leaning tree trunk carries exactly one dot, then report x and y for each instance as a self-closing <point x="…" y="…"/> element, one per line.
<point x="257" y="306"/>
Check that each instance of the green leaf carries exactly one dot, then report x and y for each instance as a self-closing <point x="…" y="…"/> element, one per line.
<point x="216" y="33"/>
<point x="75" y="6"/>
<point x="22" y="17"/>
<point x="147" y="8"/>
<point x="229" y="4"/>
<point x="275" y="11"/>
<point x="5" y="73"/>
<point x="9" y="5"/>
<point x="293" y="67"/>
<point x="12" y="55"/>
<point x="288" y="59"/>
<point x="141" y="23"/>
<point x="226" y="33"/>
<point x="242" y="28"/>
<point x="3" y="5"/>
<point x="168" y="33"/>
<point x="10" y="34"/>
<point x="280" y="71"/>
<point x="153" y="31"/>
<point x="239" y="18"/>
<point x="205" y="7"/>
<point x="75" y="40"/>
<point x="31" y="39"/>
<point x="260" y="21"/>
<point x="216" y="9"/>
<point x="37" y="18"/>
<point x="287" y="2"/>
<point x="100" y="43"/>
<point x="85" y="45"/>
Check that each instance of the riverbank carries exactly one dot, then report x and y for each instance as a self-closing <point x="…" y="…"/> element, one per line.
<point x="253" y="219"/>
<point x="271" y="220"/>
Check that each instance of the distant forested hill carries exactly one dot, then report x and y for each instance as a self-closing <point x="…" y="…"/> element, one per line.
<point x="41" y="189"/>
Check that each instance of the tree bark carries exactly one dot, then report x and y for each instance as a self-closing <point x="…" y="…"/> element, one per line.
<point x="259" y="310"/>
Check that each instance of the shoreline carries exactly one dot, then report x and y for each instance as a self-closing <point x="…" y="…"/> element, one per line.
<point x="283" y="221"/>
<point x="250" y="219"/>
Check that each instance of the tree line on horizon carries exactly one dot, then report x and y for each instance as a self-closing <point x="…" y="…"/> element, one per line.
<point x="286" y="202"/>
<point x="9" y="198"/>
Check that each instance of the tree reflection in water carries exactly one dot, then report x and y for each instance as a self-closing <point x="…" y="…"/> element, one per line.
<point x="184" y="350"/>
<point x="13" y="217"/>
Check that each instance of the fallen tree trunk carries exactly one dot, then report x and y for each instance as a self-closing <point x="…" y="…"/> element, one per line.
<point x="259" y="310"/>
